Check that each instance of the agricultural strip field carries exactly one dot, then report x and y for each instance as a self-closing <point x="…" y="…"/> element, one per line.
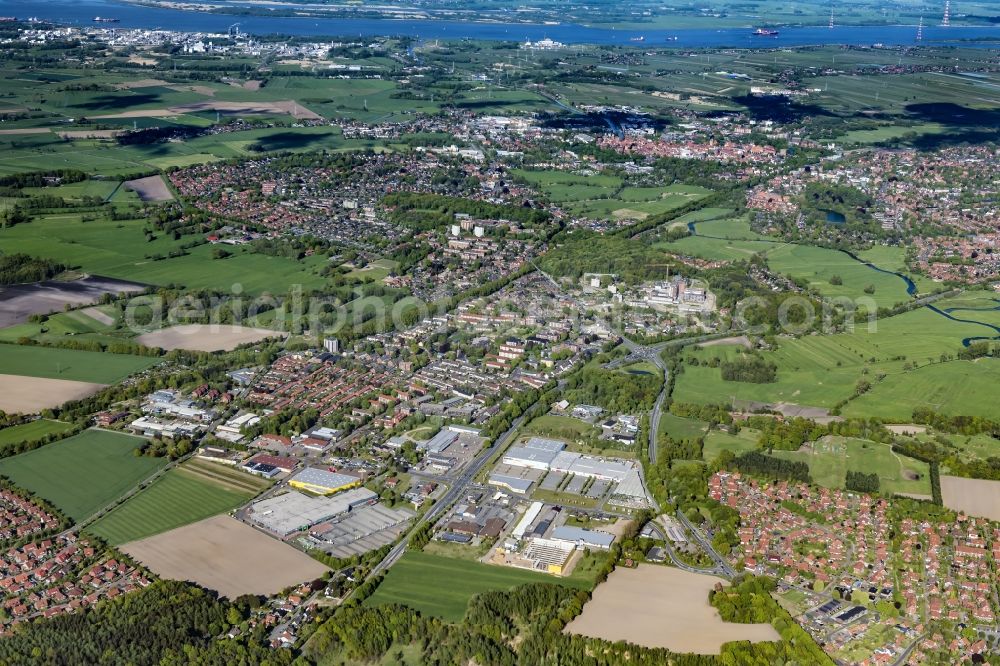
<point x="70" y="364"/>
<point x="225" y="555"/>
<point x="30" y="395"/>
<point x="19" y="302"/>
<point x="976" y="497"/>
<point x="659" y="606"/>
<point x="443" y="586"/>
<point x="27" y="432"/>
<point x="182" y="496"/>
<point x="206" y="337"/>
<point x="83" y="473"/>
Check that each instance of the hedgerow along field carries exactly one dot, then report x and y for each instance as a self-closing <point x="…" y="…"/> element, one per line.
<point x="30" y="431"/>
<point x="442" y="586"/>
<point x="183" y="495"/>
<point x="72" y="364"/>
<point x="84" y="473"/>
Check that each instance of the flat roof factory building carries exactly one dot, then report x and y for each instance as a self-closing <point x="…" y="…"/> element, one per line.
<point x="323" y="482"/>
<point x="537" y="453"/>
<point x="294" y="512"/>
<point x="583" y="538"/>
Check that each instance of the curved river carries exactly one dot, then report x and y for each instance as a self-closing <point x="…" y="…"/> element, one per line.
<point x="911" y="289"/>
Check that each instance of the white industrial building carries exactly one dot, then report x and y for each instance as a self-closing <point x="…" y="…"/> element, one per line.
<point x="568" y="462"/>
<point x="537" y="453"/>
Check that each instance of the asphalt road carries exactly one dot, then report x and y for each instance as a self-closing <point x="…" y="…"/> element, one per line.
<point x="458" y="487"/>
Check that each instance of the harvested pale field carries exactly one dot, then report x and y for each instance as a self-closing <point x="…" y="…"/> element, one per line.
<point x="141" y="83"/>
<point x="26" y="130"/>
<point x="97" y="315"/>
<point x="976" y="497"/>
<point x="629" y="214"/>
<point x="290" y="107"/>
<point x="18" y="302"/>
<point x="906" y="428"/>
<point x="735" y="340"/>
<point x="223" y="554"/>
<point x="150" y="188"/>
<point x="206" y="337"/>
<point x="28" y="395"/>
<point x="252" y="84"/>
<point x="662" y="607"/>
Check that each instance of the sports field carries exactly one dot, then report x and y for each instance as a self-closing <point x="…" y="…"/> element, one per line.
<point x="443" y="586"/>
<point x="83" y="473"/>
<point x="30" y="431"/>
<point x="183" y="495"/>
<point x="71" y="364"/>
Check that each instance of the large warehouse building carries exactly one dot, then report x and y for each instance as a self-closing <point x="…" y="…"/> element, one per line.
<point x="294" y="512"/>
<point x="537" y="453"/>
<point x="323" y="482"/>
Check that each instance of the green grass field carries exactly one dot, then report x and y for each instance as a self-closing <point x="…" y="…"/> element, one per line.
<point x="957" y="387"/>
<point x="177" y="498"/>
<point x="83" y="366"/>
<point x="442" y="586"/>
<point x="119" y="249"/>
<point x="552" y="424"/>
<point x="83" y="473"/>
<point x="27" y="432"/>
<point x="833" y="457"/>
<point x="818" y="265"/>
<point x="717" y="441"/>
<point x="61" y="324"/>
<point x="681" y="428"/>
<point x="822" y="370"/>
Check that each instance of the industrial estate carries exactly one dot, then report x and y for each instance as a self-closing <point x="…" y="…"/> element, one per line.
<point x="404" y="351"/>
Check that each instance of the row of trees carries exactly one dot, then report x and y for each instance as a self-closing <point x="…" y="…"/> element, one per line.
<point x="19" y="268"/>
<point x="861" y="482"/>
<point x="758" y="464"/>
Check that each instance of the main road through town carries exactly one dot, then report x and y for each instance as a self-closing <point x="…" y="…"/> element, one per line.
<point x="458" y="486"/>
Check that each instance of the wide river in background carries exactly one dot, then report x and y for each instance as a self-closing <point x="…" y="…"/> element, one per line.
<point x="134" y="16"/>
